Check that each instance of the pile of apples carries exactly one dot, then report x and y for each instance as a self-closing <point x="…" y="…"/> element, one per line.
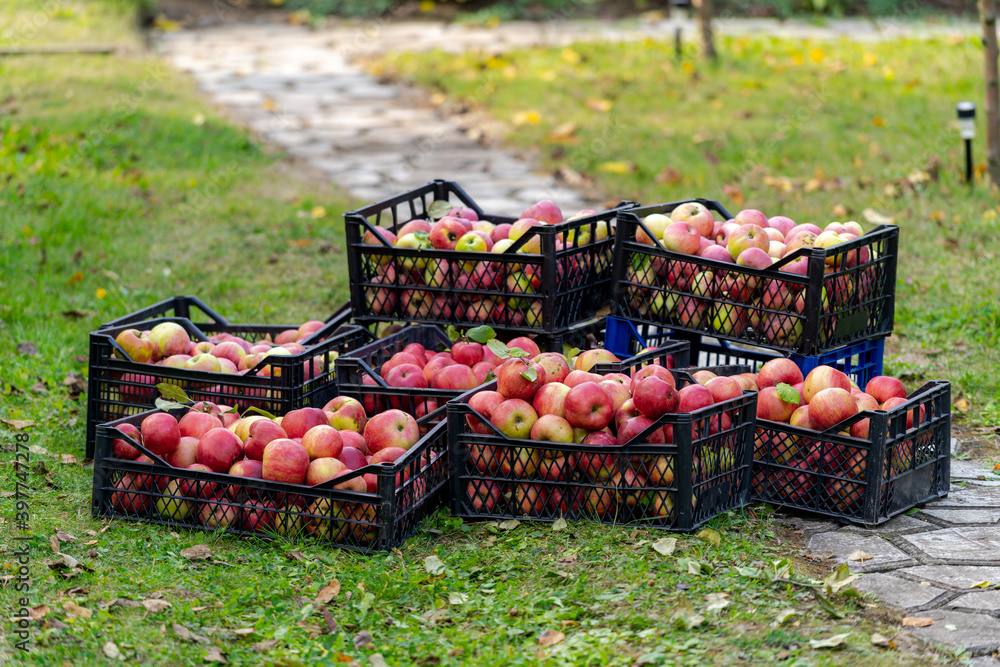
<point x="553" y="404"/>
<point x="730" y="303"/>
<point x="462" y="230"/>
<point x="820" y="401"/>
<point x="308" y="446"/>
<point x="169" y="344"/>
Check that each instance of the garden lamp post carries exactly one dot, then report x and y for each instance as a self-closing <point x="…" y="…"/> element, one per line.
<point x="967" y="128"/>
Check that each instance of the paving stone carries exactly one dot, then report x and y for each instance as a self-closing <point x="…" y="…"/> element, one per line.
<point x="898" y="592"/>
<point x="971" y="470"/>
<point x="958" y="516"/>
<point x="972" y="495"/>
<point x="843" y="545"/>
<point x="959" y="544"/>
<point x="959" y="577"/>
<point x="984" y="662"/>
<point x="894" y="526"/>
<point x="988" y="601"/>
<point x="979" y="634"/>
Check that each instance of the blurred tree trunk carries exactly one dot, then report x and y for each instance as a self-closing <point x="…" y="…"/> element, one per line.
<point x="704" y="8"/>
<point x="988" y="19"/>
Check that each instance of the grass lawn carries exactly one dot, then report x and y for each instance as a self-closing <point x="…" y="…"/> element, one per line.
<point x="122" y="187"/>
<point x="817" y="131"/>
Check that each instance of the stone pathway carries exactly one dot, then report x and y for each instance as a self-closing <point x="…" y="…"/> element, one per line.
<point x="942" y="562"/>
<point x="300" y="90"/>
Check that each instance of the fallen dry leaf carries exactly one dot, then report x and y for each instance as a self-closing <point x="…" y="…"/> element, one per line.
<point x="19" y="425"/>
<point x="73" y="610"/>
<point x="197" y="552"/>
<point x="27" y="348"/>
<point x="296" y="556"/>
<point x="154" y="606"/>
<point x="65" y="537"/>
<point x="213" y="654"/>
<point x="734" y="193"/>
<point x="328" y="592"/>
<point x="243" y="632"/>
<point x="882" y="641"/>
<point x="67" y="459"/>
<point x="860" y="556"/>
<point x="54" y="544"/>
<point x="187" y="635"/>
<point x="111" y="651"/>
<point x="39" y="612"/>
<point x="362" y="638"/>
<point x="551" y="638"/>
<point x="264" y="646"/>
<point x="917" y="621"/>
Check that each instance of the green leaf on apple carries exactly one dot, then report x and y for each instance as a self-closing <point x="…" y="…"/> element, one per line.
<point x="787" y="393"/>
<point x="498" y="348"/>
<point x="172" y="392"/>
<point x="517" y="353"/>
<point x="438" y="209"/>
<point x="421" y="234"/>
<point x="490" y="376"/>
<point x="258" y="411"/>
<point x="453" y="333"/>
<point x="167" y="406"/>
<point x="529" y="374"/>
<point x="482" y="334"/>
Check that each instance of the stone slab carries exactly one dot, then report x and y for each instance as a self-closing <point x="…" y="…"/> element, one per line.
<point x="959" y="544"/>
<point x="972" y="470"/>
<point x="988" y="601"/>
<point x="972" y="495"/>
<point x="898" y="592"/>
<point x="843" y="545"/>
<point x="957" y="577"/>
<point x="978" y="634"/>
<point x="894" y="526"/>
<point x="961" y="516"/>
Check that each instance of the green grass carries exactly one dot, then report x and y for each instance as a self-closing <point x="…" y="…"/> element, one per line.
<point x="817" y="131"/>
<point x="117" y="198"/>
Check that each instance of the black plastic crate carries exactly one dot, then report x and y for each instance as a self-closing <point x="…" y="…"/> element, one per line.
<point x="118" y="387"/>
<point x="805" y="314"/>
<point x="677" y="486"/>
<point x="864" y="481"/>
<point x="558" y="287"/>
<point x="358" y="371"/>
<point x="407" y="491"/>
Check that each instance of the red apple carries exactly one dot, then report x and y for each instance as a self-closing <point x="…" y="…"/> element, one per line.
<point x="455" y="377"/>
<point x="160" y="433"/>
<point x="346" y="414"/>
<point x="654" y="397"/>
<point x="323" y="441"/>
<point x="392" y="428"/>
<point x="694" y="397"/>
<point x="884" y="387"/>
<point x="196" y="424"/>
<point x="484" y="495"/>
<point x="636" y="425"/>
<point x="625" y="412"/>
<point x="469" y="354"/>
<point x="324" y="469"/>
<point x="185" y="454"/>
<point x="219" y="449"/>
<point x="514" y="418"/>
<point x="618" y="392"/>
<point x="824" y="377"/>
<point x="526" y="344"/>
<point x="353" y="458"/>
<point x="550" y="399"/>
<point x="127" y="497"/>
<point x="297" y="422"/>
<point x="579" y="377"/>
<point x="831" y="406"/>
<point x="771" y="407"/>
<point x="485" y="403"/>
<point x="589" y="406"/>
<point x="555" y="365"/>
<point x="654" y="371"/>
<point x="585" y="361"/>
<point x="285" y="461"/>
<point x="514" y="380"/>
<point x="121" y="448"/>
<point x="777" y="371"/>
<point x="552" y="428"/>
<point x="723" y="389"/>
<point x="260" y="433"/>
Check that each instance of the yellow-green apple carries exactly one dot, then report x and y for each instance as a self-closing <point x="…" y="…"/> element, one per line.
<point x="185" y="454"/>
<point x="392" y="428"/>
<point x="168" y="339"/>
<point x="589" y="406"/>
<point x="455" y="377"/>
<point x="521" y="228"/>
<point x="747" y="236"/>
<point x="552" y="428"/>
<point x="550" y="399"/>
<point x="346" y="414"/>
<point x="260" y="433"/>
<point x="297" y="422"/>
<point x="618" y="392"/>
<point x="682" y="238"/>
<point x="831" y="406"/>
<point x="656" y="223"/>
<point x="484" y="495"/>
<point x="693" y="397"/>
<point x="484" y="226"/>
<point x="470" y="353"/>
<point x="514" y="378"/>
<point x="171" y="504"/>
<point x="723" y="389"/>
<point x="196" y="424"/>
<point x="418" y="304"/>
<point x="137" y="349"/>
<point x="353" y="458"/>
<point x="632" y="428"/>
<point x="531" y="499"/>
<point x="776" y="250"/>
<point x="324" y="469"/>
<point x="655" y="397"/>
<point x="695" y="215"/>
<point x="323" y="441"/>
<point x="579" y="434"/>
<point x="502" y="245"/>
<point x="771" y="407"/>
<point x="824" y="377"/>
<point x="121" y="449"/>
<point x="556" y="366"/>
<point x="177" y="361"/>
<point x="779" y="370"/>
<point x="218" y="514"/>
<point x="590" y="358"/>
<point x="160" y="433"/>
<point x="219" y="449"/>
<point x="865" y="401"/>
<point x="483" y="402"/>
<point x="414" y="241"/>
<point x="544" y="211"/>
<point x="285" y="461"/>
<point x="884" y="387"/>
<point x="703" y="283"/>
<point x="514" y="418"/>
<point x="288" y="522"/>
<point x="472" y="242"/>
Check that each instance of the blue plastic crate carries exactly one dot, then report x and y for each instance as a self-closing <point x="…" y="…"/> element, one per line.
<point x="860" y="361"/>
